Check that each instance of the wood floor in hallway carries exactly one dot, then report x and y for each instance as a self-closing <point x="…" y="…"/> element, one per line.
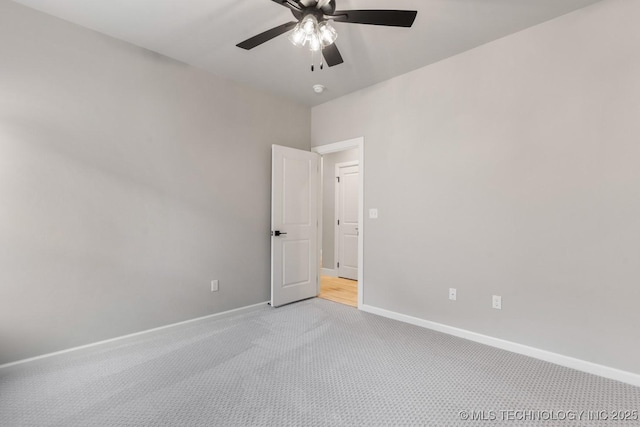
<point x="340" y="290"/>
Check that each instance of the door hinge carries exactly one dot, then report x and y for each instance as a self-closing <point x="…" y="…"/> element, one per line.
<point x="338" y="178"/>
<point x="338" y="265"/>
<point x="338" y="222"/>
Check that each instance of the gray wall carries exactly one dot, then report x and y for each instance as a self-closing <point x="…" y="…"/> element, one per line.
<point x="511" y="169"/>
<point x="127" y="182"/>
<point x="329" y="202"/>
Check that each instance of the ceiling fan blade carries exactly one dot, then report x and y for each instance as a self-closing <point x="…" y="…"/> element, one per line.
<point x="266" y="36"/>
<point x="391" y="18"/>
<point x="332" y="55"/>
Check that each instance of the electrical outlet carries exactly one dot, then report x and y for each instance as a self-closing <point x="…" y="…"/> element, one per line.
<point x="373" y="213"/>
<point x="452" y="294"/>
<point x="214" y="285"/>
<point x="497" y="302"/>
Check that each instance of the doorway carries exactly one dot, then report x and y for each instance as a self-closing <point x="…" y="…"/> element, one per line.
<point x="341" y="222"/>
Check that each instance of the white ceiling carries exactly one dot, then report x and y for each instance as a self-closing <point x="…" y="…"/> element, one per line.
<point x="204" y="33"/>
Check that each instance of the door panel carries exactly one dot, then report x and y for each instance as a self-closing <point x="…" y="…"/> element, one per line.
<point x="350" y="196"/>
<point x="294" y="222"/>
<point x="295" y="194"/>
<point x="350" y="253"/>
<point x="295" y="262"/>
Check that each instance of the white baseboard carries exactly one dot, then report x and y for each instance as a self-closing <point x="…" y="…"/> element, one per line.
<point x="547" y="356"/>
<point x="329" y="272"/>
<point x="245" y="309"/>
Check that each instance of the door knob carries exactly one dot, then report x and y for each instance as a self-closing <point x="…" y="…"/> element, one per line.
<point x="277" y="233"/>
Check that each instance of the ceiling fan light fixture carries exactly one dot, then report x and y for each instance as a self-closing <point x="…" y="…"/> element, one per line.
<point x="298" y="37"/>
<point x="309" y="24"/>
<point x="328" y="34"/>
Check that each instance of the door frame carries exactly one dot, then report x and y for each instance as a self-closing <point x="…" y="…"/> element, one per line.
<point x="333" y="148"/>
<point x="336" y="233"/>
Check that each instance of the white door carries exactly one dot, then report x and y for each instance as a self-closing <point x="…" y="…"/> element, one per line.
<point x="294" y="225"/>
<point x="347" y="219"/>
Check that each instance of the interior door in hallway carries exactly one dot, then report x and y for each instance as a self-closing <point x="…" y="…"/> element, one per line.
<point x="347" y="219"/>
<point x="294" y="225"/>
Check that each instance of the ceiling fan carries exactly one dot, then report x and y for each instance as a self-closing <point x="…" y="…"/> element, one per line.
<point x="314" y="25"/>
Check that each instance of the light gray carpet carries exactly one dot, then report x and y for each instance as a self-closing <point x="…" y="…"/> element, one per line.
<point x="313" y="363"/>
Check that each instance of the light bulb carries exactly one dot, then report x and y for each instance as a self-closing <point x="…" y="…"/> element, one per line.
<point x="309" y="24"/>
<point x="327" y="33"/>
<point x="314" y="42"/>
<point x="298" y="36"/>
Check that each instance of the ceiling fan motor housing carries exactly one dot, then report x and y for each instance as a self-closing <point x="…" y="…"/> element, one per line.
<point x="311" y="8"/>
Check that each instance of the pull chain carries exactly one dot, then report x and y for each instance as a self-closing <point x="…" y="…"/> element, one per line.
<point x="313" y="60"/>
